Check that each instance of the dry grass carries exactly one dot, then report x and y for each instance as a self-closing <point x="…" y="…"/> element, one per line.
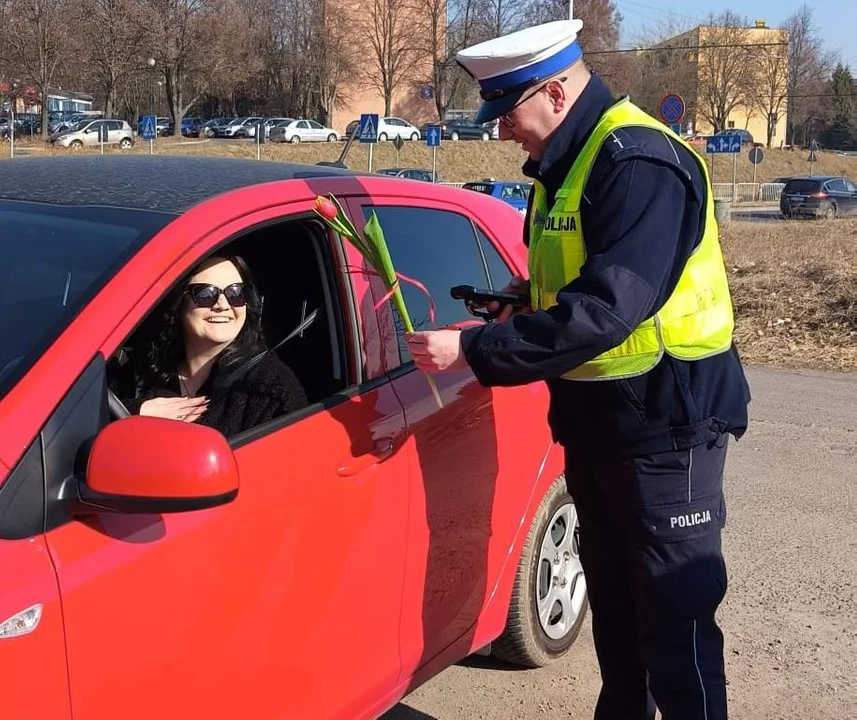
<point x="465" y="160"/>
<point x="794" y="286"/>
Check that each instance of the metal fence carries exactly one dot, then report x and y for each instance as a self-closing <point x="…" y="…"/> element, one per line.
<point x="762" y="193"/>
<point x="749" y="193"/>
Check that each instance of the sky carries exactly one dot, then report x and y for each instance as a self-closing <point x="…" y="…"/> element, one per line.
<point x="836" y="20"/>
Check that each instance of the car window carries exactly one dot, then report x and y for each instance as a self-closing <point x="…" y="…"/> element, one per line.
<point x="303" y="125"/>
<point x="513" y="192"/>
<point x="314" y="125"/>
<point x="850" y="186"/>
<point x="438" y="248"/>
<point x="115" y="125"/>
<point x="485" y="188"/>
<point x="801" y="186"/>
<point x="836" y="185"/>
<point x="53" y="260"/>
<point x="499" y="273"/>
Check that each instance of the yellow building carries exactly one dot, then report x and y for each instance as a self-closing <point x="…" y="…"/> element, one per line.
<point x="730" y="77"/>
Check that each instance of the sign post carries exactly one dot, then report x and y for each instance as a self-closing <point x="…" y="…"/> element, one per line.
<point x="398" y="143"/>
<point x="725" y="143"/>
<point x="368" y="132"/>
<point x="12" y="129"/>
<point x="433" y="141"/>
<point x="259" y="137"/>
<point x="756" y="156"/>
<point x="813" y="158"/>
<point x="102" y="134"/>
<point x="148" y="130"/>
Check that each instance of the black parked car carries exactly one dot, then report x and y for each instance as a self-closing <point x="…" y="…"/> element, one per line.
<point x="822" y="197"/>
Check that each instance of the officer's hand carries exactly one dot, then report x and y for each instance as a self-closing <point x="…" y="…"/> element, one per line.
<point x="518" y="286"/>
<point x="436" y="350"/>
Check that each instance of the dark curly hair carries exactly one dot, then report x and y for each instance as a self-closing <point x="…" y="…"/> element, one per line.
<point x="160" y="349"/>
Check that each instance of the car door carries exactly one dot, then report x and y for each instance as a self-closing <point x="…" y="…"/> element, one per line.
<point x="851" y="200"/>
<point x="283" y="603"/>
<point x="470" y="478"/>
<point x="114" y="133"/>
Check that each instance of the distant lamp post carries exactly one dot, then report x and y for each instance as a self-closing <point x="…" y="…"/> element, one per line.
<point x="151" y="63"/>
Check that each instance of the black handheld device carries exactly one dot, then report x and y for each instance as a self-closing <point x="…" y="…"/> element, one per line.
<point x="477" y="297"/>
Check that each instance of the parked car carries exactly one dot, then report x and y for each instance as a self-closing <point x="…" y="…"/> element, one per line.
<point x="209" y="127"/>
<point x="87" y="133"/>
<point x="374" y="537"/>
<point x="745" y="135"/>
<point x="191" y="125"/>
<point x="274" y="121"/>
<point x="411" y="174"/>
<point x="466" y="130"/>
<point x="389" y="128"/>
<point x="297" y="131"/>
<point x="821" y="197"/>
<point x="515" y="194"/>
<point x="235" y="128"/>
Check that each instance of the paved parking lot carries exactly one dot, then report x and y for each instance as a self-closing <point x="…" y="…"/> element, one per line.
<point x="791" y="547"/>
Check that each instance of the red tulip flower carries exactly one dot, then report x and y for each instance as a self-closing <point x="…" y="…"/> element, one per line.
<point x="326" y="208"/>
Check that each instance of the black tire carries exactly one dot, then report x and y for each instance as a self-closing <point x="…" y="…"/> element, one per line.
<point x="415" y="137"/>
<point x="382" y="137"/>
<point x="332" y="138"/>
<point x="485" y="137"/>
<point x="76" y="144"/>
<point x="524" y="642"/>
<point x="295" y="139"/>
<point x="125" y="143"/>
<point x="830" y="213"/>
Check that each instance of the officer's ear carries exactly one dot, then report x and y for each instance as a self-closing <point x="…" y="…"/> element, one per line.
<point x="558" y="93"/>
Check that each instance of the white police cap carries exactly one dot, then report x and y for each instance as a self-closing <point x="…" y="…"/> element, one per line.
<point x="506" y="66"/>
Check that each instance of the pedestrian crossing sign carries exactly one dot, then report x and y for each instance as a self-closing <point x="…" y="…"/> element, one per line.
<point x="368" y="128"/>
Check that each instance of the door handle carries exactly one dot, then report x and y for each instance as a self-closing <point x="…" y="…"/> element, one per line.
<point x="383" y="449"/>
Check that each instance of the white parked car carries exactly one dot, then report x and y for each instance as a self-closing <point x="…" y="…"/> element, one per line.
<point x="239" y="127"/>
<point x="86" y="132"/>
<point x="391" y="127"/>
<point x="302" y="131"/>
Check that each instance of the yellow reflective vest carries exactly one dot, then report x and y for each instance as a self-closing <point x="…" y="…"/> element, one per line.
<point x="695" y="322"/>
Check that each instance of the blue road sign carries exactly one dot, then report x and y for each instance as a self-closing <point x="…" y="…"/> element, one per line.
<point x="433" y="136"/>
<point x="368" y="128"/>
<point x="427" y="93"/>
<point x="723" y="144"/>
<point x="676" y="128"/>
<point x="148" y="127"/>
<point x="672" y="108"/>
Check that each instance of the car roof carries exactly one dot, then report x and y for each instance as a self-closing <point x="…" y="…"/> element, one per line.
<point x="171" y="184"/>
<point x="817" y="178"/>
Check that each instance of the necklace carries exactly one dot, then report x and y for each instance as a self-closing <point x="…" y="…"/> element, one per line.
<point x="183" y="386"/>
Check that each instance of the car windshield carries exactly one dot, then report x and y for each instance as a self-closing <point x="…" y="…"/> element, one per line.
<point x="389" y="171"/>
<point x="802" y="186"/>
<point x="53" y="261"/>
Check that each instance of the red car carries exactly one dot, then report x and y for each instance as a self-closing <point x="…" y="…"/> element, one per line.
<point x="321" y="565"/>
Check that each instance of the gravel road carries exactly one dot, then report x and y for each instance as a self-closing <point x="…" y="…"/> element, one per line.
<point x="790" y="616"/>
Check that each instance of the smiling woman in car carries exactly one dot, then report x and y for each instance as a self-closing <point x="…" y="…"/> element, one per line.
<point x="202" y="357"/>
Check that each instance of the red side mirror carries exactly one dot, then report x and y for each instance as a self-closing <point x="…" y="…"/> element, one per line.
<point x="151" y="465"/>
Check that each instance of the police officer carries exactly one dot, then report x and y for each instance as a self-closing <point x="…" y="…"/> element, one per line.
<point x="630" y="325"/>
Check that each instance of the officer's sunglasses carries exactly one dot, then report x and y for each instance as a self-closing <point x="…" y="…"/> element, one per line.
<point x="505" y="117"/>
<point x="204" y="295"/>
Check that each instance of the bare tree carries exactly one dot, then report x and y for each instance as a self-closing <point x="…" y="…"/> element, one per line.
<point x="36" y="39"/>
<point x="770" y="84"/>
<point x="192" y="43"/>
<point x="725" y="68"/>
<point x="500" y="17"/>
<point x="393" y="54"/>
<point x="809" y="68"/>
<point x="111" y="46"/>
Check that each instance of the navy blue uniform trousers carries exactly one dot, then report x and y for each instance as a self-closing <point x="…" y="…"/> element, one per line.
<point x="650" y="547"/>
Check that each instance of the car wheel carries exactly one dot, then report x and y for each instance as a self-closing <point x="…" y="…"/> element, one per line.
<point x="549" y="599"/>
<point x="125" y="143"/>
<point x="415" y="136"/>
<point x="382" y="137"/>
<point x="331" y="138"/>
<point x="76" y="144"/>
<point x="830" y="213"/>
<point x="453" y="135"/>
<point x="485" y="137"/>
<point x="295" y="139"/>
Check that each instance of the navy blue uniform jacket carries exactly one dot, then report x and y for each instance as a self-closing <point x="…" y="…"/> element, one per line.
<point x="642" y="215"/>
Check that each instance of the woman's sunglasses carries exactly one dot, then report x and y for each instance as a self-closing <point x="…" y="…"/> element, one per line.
<point x="205" y="296"/>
